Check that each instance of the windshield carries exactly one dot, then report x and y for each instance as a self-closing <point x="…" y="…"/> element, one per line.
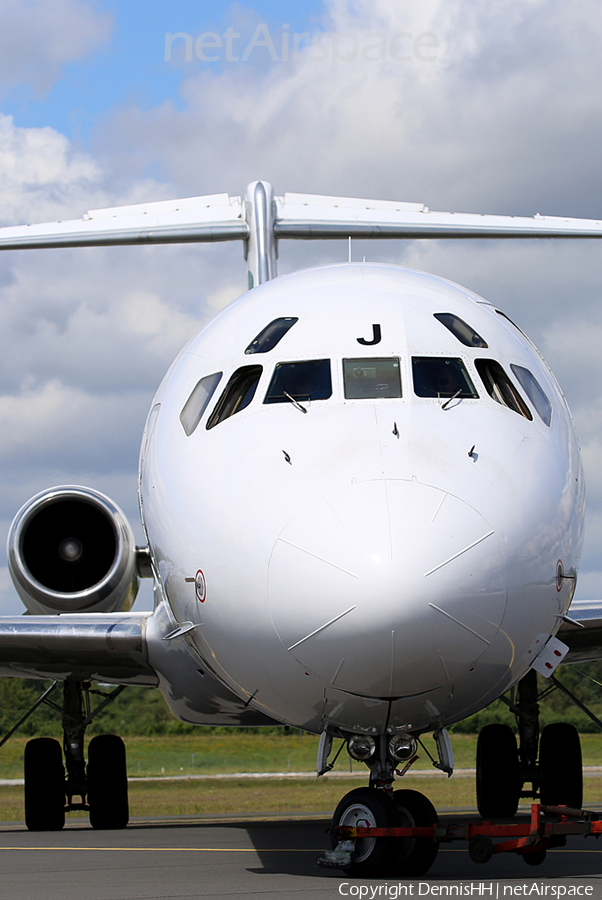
<point x="237" y="394"/>
<point x="305" y="380"/>
<point x="436" y="376"/>
<point x="371" y="378"/>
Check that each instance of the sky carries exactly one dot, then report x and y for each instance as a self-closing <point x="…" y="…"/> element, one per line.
<point x="463" y="105"/>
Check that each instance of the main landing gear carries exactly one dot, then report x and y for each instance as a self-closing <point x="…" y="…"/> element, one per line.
<point x="505" y="767"/>
<point x="379" y="806"/>
<point x="54" y="787"/>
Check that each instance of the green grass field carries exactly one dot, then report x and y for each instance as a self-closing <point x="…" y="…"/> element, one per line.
<point x="216" y="754"/>
<point x="211" y="754"/>
<point x="249" y="796"/>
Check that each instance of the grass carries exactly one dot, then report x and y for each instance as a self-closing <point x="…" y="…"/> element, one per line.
<point x="213" y="754"/>
<point x="238" y="796"/>
<point x="244" y="797"/>
<point x="210" y="754"/>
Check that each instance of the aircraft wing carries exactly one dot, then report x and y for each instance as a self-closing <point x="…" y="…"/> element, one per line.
<point x="311" y="216"/>
<point x="585" y="643"/>
<point x="215" y="217"/>
<point x="219" y="217"/>
<point x="109" y="647"/>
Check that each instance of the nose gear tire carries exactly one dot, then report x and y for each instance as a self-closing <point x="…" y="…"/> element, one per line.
<point x="376" y="809"/>
<point x="414" y="856"/>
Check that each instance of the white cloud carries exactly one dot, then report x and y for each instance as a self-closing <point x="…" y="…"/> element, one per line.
<point x="37" y="37"/>
<point x="41" y="176"/>
<point x="510" y="103"/>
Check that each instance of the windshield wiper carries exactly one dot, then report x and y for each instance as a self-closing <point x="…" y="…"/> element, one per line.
<point x="447" y="402"/>
<point x="295" y="403"/>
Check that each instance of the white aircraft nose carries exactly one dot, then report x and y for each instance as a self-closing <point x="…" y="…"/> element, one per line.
<point x="386" y="588"/>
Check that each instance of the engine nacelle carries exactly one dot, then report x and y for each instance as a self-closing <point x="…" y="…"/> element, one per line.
<point x="71" y="549"/>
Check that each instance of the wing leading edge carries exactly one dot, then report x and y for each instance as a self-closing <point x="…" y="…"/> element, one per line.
<point x="109" y="647"/>
<point x="586" y="642"/>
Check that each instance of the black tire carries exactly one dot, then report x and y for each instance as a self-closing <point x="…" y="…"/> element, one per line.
<point x="414" y="856"/>
<point x="498" y="773"/>
<point x="107" y="782"/>
<point x="480" y="848"/>
<point x="560" y="766"/>
<point x="44" y="785"/>
<point x="371" y="856"/>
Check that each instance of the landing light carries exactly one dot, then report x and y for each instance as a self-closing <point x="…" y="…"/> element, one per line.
<point x="361" y="747"/>
<point x="402" y="747"/>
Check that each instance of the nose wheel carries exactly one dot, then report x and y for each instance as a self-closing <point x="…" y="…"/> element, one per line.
<point x="415" y="856"/>
<point x="384" y="856"/>
<point x="366" y="807"/>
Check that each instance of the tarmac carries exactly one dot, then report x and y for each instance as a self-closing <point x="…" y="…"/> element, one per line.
<point x="259" y="857"/>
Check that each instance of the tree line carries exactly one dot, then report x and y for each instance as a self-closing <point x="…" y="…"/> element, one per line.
<point x="140" y="711"/>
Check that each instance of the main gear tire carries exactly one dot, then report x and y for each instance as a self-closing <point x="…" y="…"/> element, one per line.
<point x="107" y="782"/>
<point x="498" y="772"/>
<point x="560" y="766"/>
<point x="44" y="785"/>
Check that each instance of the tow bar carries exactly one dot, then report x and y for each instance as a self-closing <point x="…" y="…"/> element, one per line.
<point x="531" y="840"/>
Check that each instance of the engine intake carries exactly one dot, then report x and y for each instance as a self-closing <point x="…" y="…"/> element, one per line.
<point x="71" y="549"/>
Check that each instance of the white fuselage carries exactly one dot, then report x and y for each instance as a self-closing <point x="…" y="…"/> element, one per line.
<point x="373" y="557"/>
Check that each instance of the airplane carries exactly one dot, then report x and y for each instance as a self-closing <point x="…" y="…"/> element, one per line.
<point x="362" y="499"/>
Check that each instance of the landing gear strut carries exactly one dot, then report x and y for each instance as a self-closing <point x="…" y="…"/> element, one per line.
<point x="503" y="770"/>
<point x="53" y="788"/>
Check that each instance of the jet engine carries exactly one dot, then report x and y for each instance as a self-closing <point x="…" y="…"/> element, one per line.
<point x="71" y="549"/>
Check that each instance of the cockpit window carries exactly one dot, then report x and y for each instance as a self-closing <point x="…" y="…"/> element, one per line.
<point x="370" y="378"/>
<point x="267" y="339"/>
<point x="534" y="392"/>
<point x="460" y="329"/>
<point x="436" y="376"/>
<point x="498" y="385"/>
<point x="198" y="401"/>
<point x="237" y="394"/>
<point x="306" y="380"/>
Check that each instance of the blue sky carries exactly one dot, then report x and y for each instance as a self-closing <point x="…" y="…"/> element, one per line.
<point x="130" y="67"/>
<point x="502" y="115"/>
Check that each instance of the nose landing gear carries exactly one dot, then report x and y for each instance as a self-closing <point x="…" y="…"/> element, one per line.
<point x="380" y="807"/>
